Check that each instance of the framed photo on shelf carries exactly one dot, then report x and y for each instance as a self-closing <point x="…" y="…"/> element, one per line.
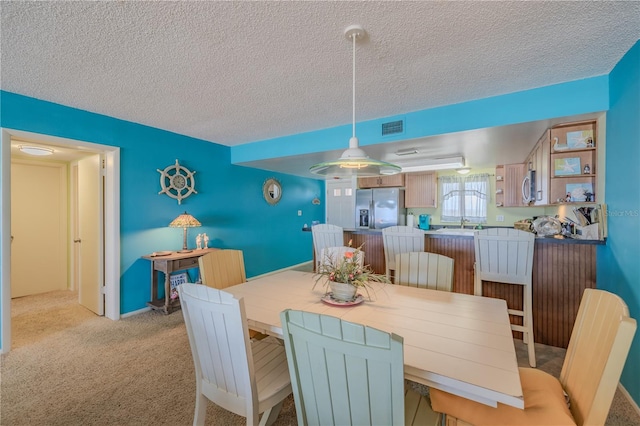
<point x="580" y="139"/>
<point x="567" y="166"/>
<point x="580" y="192"/>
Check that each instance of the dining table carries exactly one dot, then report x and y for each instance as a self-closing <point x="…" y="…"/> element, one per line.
<point x="459" y="343"/>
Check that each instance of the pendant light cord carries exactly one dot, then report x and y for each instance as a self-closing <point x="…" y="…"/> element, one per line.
<point x="354" y="36"/>
<point x="354" y="161"/>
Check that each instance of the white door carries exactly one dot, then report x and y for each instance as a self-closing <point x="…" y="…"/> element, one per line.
<point x="341" y="203"/>
<point x="90" y="225"/>
<point x="38" y="227"/>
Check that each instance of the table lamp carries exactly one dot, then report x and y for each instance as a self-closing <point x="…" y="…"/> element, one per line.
<point x="184" y="221"/>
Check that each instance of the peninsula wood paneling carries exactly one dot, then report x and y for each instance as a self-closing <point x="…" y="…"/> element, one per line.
<point x="460" y="249"/>
<point x="561" y="272"/>
<point x="372" y="248"/>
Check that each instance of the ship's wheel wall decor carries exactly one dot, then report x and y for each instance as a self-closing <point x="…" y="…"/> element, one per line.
<point x="177" y="182"/>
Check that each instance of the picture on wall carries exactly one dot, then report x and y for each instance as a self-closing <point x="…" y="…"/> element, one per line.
<point x="567" y="166"/>
<point x="580" y="192"/>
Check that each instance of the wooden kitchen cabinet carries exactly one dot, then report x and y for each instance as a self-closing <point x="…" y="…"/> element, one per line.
<point x="420" y="190"/>
<point x="513" y="175"/>
<point x="538" y="160"/>
<point x="391" y="181"/>
<point x="509" y="188"/>
<point x="573" y="162"/>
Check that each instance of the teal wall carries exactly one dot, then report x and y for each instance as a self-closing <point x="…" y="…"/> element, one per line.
<point x="619" y="260"/>
<point x="560" y="100"/>
<point x="229" y="201"/>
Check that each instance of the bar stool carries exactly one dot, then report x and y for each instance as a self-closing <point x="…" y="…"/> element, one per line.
<point x="325" y="235"/>
<point x="505" y="255"/>
<point x="400" y="239"/>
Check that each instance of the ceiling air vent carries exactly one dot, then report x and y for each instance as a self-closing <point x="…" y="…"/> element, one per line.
<point x="392" y="127"/>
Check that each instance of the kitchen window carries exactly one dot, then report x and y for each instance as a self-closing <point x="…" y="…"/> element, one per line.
<point x="464" y="198"/>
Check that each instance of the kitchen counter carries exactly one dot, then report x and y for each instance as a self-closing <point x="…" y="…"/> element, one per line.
<point x="468" y="233"/>
<point x="562" y="269"/>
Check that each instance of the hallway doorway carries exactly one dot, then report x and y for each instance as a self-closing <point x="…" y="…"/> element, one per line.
<point x="109" y="244"/>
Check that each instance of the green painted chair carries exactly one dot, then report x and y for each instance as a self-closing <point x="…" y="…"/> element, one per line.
<point x="344" y="373"/>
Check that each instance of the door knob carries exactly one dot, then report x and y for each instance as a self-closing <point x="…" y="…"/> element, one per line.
<point x="77" y="241"/>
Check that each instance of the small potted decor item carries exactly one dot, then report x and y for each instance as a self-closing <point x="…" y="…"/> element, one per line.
<point x="344" y="274"/>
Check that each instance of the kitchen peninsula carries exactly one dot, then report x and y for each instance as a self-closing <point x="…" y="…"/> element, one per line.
<point x="562" y="269"/>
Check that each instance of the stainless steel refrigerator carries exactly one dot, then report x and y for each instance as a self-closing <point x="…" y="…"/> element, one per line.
<point x="379" y="208"/>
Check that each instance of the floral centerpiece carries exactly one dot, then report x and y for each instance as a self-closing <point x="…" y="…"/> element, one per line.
<point x="345" y="273"/>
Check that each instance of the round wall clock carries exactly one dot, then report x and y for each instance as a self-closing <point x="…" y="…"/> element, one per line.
<point x="177" y="182"/>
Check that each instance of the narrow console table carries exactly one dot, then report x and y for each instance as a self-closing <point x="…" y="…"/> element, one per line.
<point x="168" y="262"/>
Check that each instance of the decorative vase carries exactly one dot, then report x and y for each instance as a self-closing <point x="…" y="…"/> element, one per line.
<point x="343" y="291"/>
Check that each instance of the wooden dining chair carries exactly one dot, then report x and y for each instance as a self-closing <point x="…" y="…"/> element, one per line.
<point x="505" y="255"/>
<point x="424" y="270"/>
<point x="400" y="239"/>
<point x="596" y="355"/>
<point x="222" y="268"/>
<point x="325" y="235"/>
<point x="246" y="377"/>
<point x="344" y="373"/>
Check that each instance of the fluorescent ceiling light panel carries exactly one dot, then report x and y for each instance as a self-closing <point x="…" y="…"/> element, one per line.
<point x="424" y="164"/>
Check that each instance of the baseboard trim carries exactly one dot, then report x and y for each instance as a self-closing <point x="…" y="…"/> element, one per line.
<point x="629" y="398"/>
<point x="299" y="265"/>
<point x="130" y="314"/>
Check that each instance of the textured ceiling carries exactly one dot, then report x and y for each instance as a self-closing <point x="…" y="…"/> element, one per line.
<point x="237" y="72"/>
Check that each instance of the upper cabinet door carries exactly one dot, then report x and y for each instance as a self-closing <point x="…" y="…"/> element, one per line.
<point x="392" y="181"/>
<point x="513" y="175"/>
<point x="420" y="190"/>
<point x="541" y="167"/>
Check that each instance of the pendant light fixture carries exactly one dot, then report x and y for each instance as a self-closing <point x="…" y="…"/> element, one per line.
<point x="354" y="161"/>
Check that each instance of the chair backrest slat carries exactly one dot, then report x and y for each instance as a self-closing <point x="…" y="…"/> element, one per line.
<point x="222" y="268"/>
<point x="326" y="235"/>
<point x="504" y="255"/>
<point x="400" y="239"/>
<point x="598" y="348"/>
<point x="424" y="270"/>
<point x="219" y="340"/>
<point x="343" y="373"/>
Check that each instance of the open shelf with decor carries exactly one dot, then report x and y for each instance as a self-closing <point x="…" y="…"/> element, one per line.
<point x="500" y="186"/>
<point x="573" y="163"/>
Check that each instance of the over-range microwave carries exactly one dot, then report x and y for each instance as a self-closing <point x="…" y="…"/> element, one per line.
<point x="529" y="187"/>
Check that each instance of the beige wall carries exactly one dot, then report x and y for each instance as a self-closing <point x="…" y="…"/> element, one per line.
<point x="39" y="224"/>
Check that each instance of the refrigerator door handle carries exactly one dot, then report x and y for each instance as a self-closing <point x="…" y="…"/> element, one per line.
<point x="372" y="216"/>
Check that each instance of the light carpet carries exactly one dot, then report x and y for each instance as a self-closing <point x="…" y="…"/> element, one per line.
<point x="70" y="367"/>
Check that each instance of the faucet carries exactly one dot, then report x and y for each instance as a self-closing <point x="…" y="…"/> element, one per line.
<point x="462" y="222"/>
